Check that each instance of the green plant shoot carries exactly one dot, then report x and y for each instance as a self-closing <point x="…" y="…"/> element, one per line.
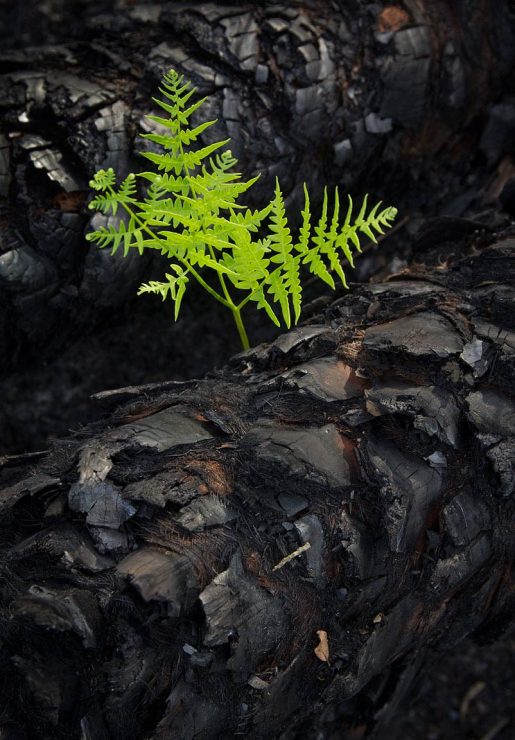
<point x="191" y="213"/>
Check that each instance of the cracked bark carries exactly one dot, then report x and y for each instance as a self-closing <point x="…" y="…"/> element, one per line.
<point x="370" y="97"/>
<point x="140" y="590"/>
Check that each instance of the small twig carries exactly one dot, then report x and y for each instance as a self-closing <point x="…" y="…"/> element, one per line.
<point x="137" y="390"/>
<point x="20" y="458"/>
<point x="292" y="555"/>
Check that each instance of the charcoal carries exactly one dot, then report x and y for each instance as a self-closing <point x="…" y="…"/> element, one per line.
<point x="409" y="488"/>
<point x="240" y="612"/>
<point x="424" y="405"/>
<point x="300" y="450"/>
<point x="160" y="576"/>
<point x="422" y="335"/>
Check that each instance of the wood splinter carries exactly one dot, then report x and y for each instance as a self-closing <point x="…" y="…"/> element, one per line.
<point x="291" y="556"/>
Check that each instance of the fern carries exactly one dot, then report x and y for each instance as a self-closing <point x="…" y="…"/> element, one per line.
<point x="191" y="212"/>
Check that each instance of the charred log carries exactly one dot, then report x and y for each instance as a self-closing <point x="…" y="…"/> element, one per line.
<point x="280" y="549"/>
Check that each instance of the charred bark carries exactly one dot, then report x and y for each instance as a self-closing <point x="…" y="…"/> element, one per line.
<point x="369" y="96"/>
<point x="278" y="550"/>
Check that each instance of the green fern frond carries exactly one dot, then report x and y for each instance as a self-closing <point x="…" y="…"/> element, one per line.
<point x="183" y="137"/>
<point x="294" y="286"/>
<point x="250" y="220"/>
<point x="312" y="256"/>
<point x="302" y="245"/>
<point x="127" y="190"/>
<point x="108" y="199"/>
<point x="104" y="203"/>
<point x="182" y="161"/>
<point x="326" y="239"/>
<point x="191" y="212"/>
<point x="280" y="238"/>
<point x="248" y="264"/>
<point x="175" y="286"/>
<point x="103" y="179"/>
<point x="283" y="283"/>
<point x="261" y="302"/>
<point x="163" y="184"/>
<point x="113" y="236"/>
<point x="317" y="267"/>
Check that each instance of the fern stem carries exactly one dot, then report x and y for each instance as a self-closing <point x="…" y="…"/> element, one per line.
<point x="236" y="310"/>
<point x="205" y="285"/>
<point x="222" y="280"/>
<point x="241" y="328"/>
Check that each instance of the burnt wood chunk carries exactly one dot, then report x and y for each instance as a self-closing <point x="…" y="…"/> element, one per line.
<point x="242" y="614"/>
<point x="425" y="334"/>
<point x="162" y="489"/>
<point x="205" y="512"/>
<point x="63" y="610"/>
<point x="67" y="543"/>
<point x="452" y="572"/>
<point x="319" y="454"/>
<point x="409" y="488"/>
<point x="191" y="712"/>
<point x="31" y="486"/>
<point x="311" y="532"/>
<point x="162" y="576"/>
<point x="433" y="410"/>
<point x="328" y="379"/>
<point x="492" y="412"/>
<point x="464" y="518"/>
<point x="388" y="638"/>
<point x="101" y="502"/>
<point x="502" y="457"/>
<point x="166" y="429"/>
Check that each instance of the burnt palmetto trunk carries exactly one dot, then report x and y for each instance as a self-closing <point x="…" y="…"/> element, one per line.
<point x="374" y="97"/>
<point x="279" y="550"/>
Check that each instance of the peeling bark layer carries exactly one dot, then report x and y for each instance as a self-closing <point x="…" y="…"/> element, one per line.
<point x="346" y="489"/>
<point x="371" y="96"/>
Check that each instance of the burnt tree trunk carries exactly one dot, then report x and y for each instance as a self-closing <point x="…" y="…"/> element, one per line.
<point x="370" y="96"/>
<point x="279" y="550"/>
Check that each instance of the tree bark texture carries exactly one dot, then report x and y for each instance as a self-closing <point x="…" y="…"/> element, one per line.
<point x="279" y="550"/>
<point x="370" y="96"/>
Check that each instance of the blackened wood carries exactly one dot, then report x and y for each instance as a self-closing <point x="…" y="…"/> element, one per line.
<point x="169" y="572"/>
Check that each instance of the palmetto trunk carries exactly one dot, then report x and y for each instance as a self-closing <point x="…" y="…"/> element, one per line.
<point x="276" y="550"/>
<point x="370" y="96"/>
